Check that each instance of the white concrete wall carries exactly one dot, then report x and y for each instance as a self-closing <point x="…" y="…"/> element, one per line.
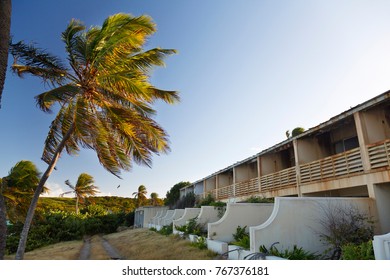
<point x="167" y="217"/>
<point x="177" y="213"/>
<point x="189" y="213"/>
<point x="148" y="213"/>
<point x="296" y="221"/>
<point x="238" y="214"/>
<point x="381" y="246"/>
<point x="208" y="214"/>
<point x="154" y="221"/>
<point x="382" y="197"/>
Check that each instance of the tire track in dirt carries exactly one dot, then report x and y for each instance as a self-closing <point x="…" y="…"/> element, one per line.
<point x="97" y="247"/>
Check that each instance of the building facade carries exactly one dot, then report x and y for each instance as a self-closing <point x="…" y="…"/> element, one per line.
<point x="346" y="156"/>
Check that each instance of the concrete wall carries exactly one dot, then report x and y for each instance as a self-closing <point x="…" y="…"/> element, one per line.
<point x="210" y="184"/>
<point x="309" y="150"/>
<point x="208" y="214"/>
<point x="154" y="221"/>
<point x="376" y="125"/>
<point x="143" y="215"/>
<point x="238" y="214"/>
<point x="225" y="179"/>
<point x="246" y="171"/>
<point x="382" y="197"/>
<point x="296" y="221"/>
<point x="189" y="213"/>
<point x="177" y="213"/>
<point x="167" y="217"/>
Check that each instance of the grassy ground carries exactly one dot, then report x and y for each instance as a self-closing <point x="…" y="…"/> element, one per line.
<point x="132" y="244"/>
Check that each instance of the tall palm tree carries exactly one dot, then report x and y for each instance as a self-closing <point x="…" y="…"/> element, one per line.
<point x="16" y="191"/>
<point x="140" y="195"/>
<point x="84" y="187"/>
<point x="104" y="96"/>
<point x="5" y="30"/>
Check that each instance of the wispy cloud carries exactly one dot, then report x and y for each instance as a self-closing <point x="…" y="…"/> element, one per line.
<point x="54" y="190"/>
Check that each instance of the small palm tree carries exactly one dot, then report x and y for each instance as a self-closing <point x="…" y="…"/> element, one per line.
<point x="16" y="191"/>
<point x="154" y="199"/>
<point x="140" y="195"/>
<point x="84" y="187"/>
<point x="104" y="96"/>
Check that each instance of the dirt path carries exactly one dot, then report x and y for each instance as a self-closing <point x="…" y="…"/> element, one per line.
<point x="98" y="248"/>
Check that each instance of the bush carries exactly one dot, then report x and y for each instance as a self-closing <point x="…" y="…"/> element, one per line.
<point x="291" y="254"/>
<point x="257" y="199"/>
<point x="166" y="230"/>
<point x="343" y="225"/>
<point x="241" y="237"/>
<point x="363" y="251"/>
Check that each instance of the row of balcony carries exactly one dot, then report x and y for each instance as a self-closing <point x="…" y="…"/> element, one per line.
<point x="343" y="164"/>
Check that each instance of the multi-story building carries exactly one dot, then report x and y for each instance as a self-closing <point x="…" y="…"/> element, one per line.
<point x="346" y="156"/>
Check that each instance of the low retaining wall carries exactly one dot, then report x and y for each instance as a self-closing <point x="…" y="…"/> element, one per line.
<point x="189" y="213"/>
<point x="297" y="221"/>
<point x="155" y="219"/>
<point x="208" y="214"/>
<point x="238" y="214"/>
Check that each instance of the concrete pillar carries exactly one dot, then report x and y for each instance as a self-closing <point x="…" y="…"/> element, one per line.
<point x="297" y="167"/>
<point x="362" y="137"/>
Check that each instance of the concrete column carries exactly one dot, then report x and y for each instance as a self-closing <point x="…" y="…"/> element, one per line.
<point x="297" y="167"/>
<point x="259" y="171"/>
<point x="362" y="137"/>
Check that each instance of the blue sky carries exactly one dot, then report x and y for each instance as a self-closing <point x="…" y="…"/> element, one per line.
<point x="246" y="70"/>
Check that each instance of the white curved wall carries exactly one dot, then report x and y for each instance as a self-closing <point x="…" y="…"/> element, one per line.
<point x="296" y="221"/>
<point x="168" y="216"/>
<point x="208" y="214"/>
<point x="238" y="214"/>
<point x="189" y="213"/>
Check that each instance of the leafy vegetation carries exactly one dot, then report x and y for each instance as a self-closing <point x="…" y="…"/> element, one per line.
<point x="241" y="237"/>
<point x="296" y="253"/>
<point x="344" y="226"/>
<point x="362" y="251"/>
<point x="57" y="226"/>
<point x="257" y="199"/>
<point x="192" y="227"/>
<point x="173" y="195"/>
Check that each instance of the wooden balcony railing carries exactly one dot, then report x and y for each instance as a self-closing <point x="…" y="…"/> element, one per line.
<point x="379" y="154"/>
<point x="333" y="166"/>
<point x="248" y="187"/>
<point x="283" y="178"/>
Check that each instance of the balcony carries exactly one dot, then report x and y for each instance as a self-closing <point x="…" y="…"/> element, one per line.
<point x="379" y="154"/>
<point x="284" y="178"/>
<point x="338" y="165"/>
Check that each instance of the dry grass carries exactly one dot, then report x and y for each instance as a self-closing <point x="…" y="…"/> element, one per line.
<point x="143" y="244"/>
<point x="132" y="244"/>
<point x="61" y="251"/>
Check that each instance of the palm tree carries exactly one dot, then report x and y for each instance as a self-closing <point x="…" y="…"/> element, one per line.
<point x="140" y="195"/>
<point x="84" y="187"/>
<point x="5" y="27"/>
<point x="154" y="199"/>
<point x="105" y="98"/>
<point x="16" y="191"/>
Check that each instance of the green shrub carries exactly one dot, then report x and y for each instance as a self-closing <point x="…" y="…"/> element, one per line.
<point x="166" y="230"/>
<point x="294" y="254"/>
<point x="343" y="225"/>
<point x="363" y="251"/>
<point x="241" y="237"/>
<point x="257" y="199"/>
<point x="200" y="243"/>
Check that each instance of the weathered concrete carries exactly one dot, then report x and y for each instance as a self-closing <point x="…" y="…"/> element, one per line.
<point x="238" y="214"/>
<point x="297" y="221"/>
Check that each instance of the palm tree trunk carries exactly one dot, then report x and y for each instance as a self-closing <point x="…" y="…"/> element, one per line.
<point x="77" y="204"/>
<point x="5" y="27"/>
<point x="30" y="214"/>
<point x="3" y="225"/>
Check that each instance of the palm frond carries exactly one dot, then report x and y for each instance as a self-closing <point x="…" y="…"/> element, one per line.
<point x="60" y="95"/>
<point x="37" y="62"/>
